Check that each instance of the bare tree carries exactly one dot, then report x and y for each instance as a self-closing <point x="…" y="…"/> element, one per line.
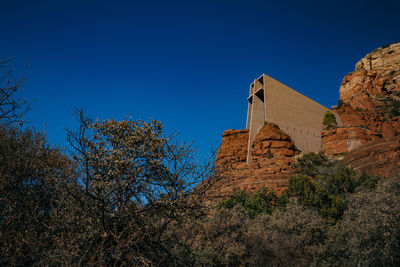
<point x="11" y="109"/>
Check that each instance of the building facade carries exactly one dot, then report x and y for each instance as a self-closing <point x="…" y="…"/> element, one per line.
<point x="297" y="115"/>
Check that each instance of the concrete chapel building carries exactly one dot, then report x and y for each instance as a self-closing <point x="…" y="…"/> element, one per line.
<point x="295" y="114"/>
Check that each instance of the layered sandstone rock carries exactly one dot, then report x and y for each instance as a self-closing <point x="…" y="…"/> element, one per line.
<point x="337" y="142"/>
<point x="369" y="108"/>
<point x="370" y="95"/>
<point x="270" y="165"/>
<point x="378" y="157"/>
<point x="377" y="74"/>
<point x="233" y="148"/>
<point x="270" y="139"/>
<point x="369" y="104"/>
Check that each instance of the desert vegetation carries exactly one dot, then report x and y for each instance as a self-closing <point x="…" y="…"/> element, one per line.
<point x="328" y="216"/>
<point x="113" y="201"/>
<point x="127" y="195"/>
<point x="329" y="120"/>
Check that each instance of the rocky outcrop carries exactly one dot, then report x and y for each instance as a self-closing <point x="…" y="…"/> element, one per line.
<point x="376" y="75"/>
<point x="270" y="165"/>
<point x="370" y="95"/>
<point x="369" y="108"/>
<point x="369" y="104"/>
<point x="339" y="141"/>
<point x="270" y="140"/>
<point x="233" y="148"/>
<point x="377" y="157"/>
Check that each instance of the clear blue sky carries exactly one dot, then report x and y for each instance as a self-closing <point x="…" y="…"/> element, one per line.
<point x="186" y="63"/>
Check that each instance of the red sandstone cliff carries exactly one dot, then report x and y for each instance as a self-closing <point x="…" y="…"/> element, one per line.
<point x="369" y="108"/>
<point x="273" y="153"/>
<point x="377" y="157"/>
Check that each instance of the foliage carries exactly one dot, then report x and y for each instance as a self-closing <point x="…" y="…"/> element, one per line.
<point x="329" y="120"/>
<point x="276" y="125"/>
<point x="260" y="202"/>
<point x="113" y="203"/>
<point x="334" y="175"/>
<point x="219" y="240"/>
<point x="310" y="193"/>
<point x="290" y="237"/>
<point x="391" y="108"/>
<point x="230" y="237"/>
<point x="384" y="46"/>
<point x="323" y="184"/>
<point x="125" y="199"/>
<point x="133" y="185"/>
<point x="369" y="234"/>
<point x="32" y="175"/>
<point x="395" y="109"/>
<point x="310" y="164"/>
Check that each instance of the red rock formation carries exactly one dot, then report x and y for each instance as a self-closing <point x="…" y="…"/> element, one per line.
<point x="233" y="148"/>
<point x="371" y="93"/>
<point x="273" y="153"/>
<point x="270" y="139"/>
<point x="378" y="157"/>
<point x="369" y="108"/>
<point x="376" y="77"/>
<point x="337" y="142"/>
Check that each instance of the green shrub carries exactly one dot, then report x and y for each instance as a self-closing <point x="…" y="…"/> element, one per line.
<point x="263" y="201"/>
<point x="324" y="185"/>
<point x="329" y="120"/>
<point x="311" y="163"/>
<point x="312" y="194"/>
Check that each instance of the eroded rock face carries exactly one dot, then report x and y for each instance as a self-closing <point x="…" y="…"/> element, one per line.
<point x="369" y="102"/>
<point x="381" y="156"/>
<point x="270" y="139"/>
<point x="270" y="166"/>
<point x="385" y="57"/>
<point x="369" y="108"/>
<point x="372" y="90"/>
<point x="337" y="142"/>
<point x="376" y="75"/>
<point x="233" y="148"/>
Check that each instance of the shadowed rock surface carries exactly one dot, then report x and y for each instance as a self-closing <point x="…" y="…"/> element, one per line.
<point x="272" y="155"/>
<point x="376" y="157"/>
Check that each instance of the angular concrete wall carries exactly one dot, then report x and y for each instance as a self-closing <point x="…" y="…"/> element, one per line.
<point x="256" y="113"/>
<point x="297" y="115"/>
